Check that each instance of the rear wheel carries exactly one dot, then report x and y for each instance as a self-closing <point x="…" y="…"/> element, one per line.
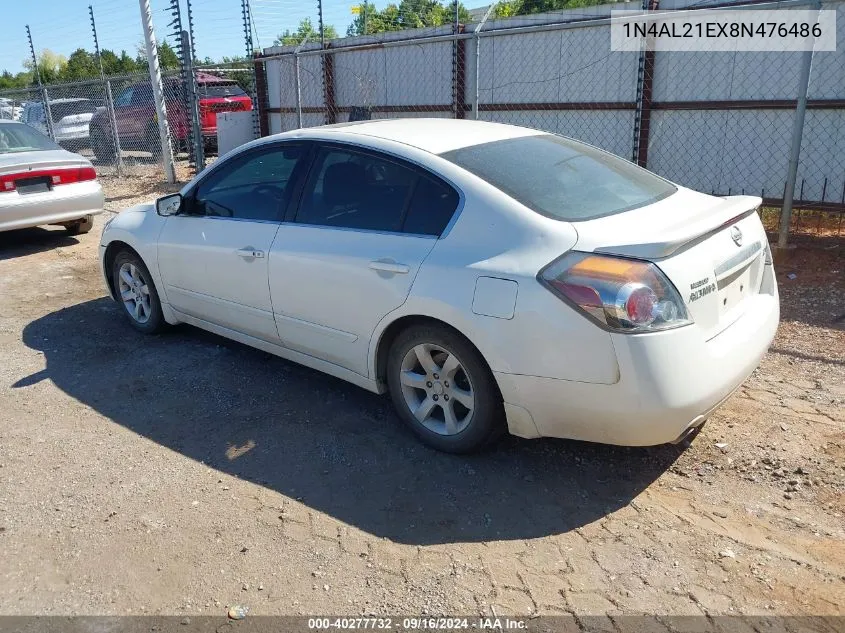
<point x="443" y="390"/>
<point x="83" y="226"/>
<point x="154" y="137"/>
<point x="137" y="293"/>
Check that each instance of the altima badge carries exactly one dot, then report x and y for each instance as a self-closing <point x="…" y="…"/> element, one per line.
<point x="736" y="235"/>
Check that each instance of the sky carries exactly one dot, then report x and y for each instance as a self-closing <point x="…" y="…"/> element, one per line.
<point x="63" y="25"/>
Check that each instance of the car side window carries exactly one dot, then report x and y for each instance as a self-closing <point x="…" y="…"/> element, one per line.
<point x="356" y="190"/>
<point x="142" y="95"/>
<point x="125" y="98"/>
<point x="255" y="186"/>
<point x="432" y="206"/>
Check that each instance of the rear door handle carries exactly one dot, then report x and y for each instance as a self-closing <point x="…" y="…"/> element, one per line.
<point x="250" y="253"/>
<point x="389" y="266"/>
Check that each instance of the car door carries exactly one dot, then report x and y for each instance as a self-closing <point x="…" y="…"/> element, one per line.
<point x="213" y="255"/>
<point x="122" y="107"/>
<point x="139" y="120"/>
<point x="351" y="250"/>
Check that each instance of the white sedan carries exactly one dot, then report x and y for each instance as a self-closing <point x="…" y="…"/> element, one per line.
<point x="41" y="183"/>
<point x="491" y="278"/>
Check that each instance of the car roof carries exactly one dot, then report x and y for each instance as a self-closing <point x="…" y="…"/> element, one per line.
<point x="431" y="135"/>
<point x="68" y="100"/>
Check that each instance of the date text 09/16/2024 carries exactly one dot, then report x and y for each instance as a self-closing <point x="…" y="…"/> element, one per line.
<point x="417" y="623"/>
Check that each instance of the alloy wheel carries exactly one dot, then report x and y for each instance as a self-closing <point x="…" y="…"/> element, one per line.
<point x="134" y="292"/>
<point x="437" y="389"/>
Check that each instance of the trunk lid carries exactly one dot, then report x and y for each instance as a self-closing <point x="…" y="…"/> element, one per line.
<point x="712" y="249"/>
<point x="15" y="162"/>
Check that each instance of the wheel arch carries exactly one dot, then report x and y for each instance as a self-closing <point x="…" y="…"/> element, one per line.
<point x="389" y="333"/>
<point x="114" y="247"/>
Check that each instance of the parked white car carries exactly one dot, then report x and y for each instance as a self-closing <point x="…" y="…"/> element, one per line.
<point x="10" y="110"/>
<point x="71" y="120"/>
<point x="41" y="183"/>
<point x="490" y="277"/>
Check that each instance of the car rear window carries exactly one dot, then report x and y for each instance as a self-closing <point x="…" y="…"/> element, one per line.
<point x="60" y="110"/>
<point x="562" y="178"/>
<point x="216" y="90"/>
<point x="15" y="137"/>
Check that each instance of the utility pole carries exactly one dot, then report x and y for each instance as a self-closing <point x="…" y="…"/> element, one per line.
<point x="158" y="90"/>
<point x="44" y="98"/>
<point x="118" y="158"/>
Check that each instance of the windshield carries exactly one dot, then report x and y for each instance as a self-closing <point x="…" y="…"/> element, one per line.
<point x="15" y="137"/>
<point x="216" y="90"/>
<point x="561" y="178"/>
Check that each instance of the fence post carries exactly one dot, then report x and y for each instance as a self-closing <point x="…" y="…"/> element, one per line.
<point x="158" y="90"/>
<point x="328" y="85"/>
<point x="48" y="114"/>
<point x="118" y="155"/>
<point x="298" y="88"/>
<point x="645" y="88"/>
<point x="262" y="96"/>
<point x="795" y="148"/>
<point x="476" y="97"/>
<point x="192" y="101"/>
<point x="118" y="159"/>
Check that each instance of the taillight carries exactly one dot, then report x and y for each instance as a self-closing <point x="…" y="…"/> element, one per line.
<point x="58" y="176"/>
<point x="625" y="295"/>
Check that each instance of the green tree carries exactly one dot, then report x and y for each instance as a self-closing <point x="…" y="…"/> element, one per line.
<point x="19" y="80"/>
<point x="305" y="32"/>
<point x="167" y="58"/>
<point x="50" y="65"/>
<point x="80" y="65"/>
<point x="408" y="14"/>
<point x="511" y="8"/>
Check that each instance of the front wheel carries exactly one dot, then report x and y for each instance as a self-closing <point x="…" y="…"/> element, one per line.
<point x="444" y="390"/>
<point x="137" y="293"/>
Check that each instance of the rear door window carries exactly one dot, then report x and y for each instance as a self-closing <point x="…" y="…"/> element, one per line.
<point x="432" y="206"/>
<point x="366" y="190"/>
<point x="356" y="190"/>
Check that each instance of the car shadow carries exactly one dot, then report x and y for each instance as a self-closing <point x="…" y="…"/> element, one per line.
<point x="334" y="447"/>
<point x="24" y="242"/>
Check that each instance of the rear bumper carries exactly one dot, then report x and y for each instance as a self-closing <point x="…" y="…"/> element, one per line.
<point x="669" y="382"/>
<point x="63" y="204"/>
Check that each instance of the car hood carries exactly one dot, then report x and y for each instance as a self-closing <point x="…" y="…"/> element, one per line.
<point x="15" y="161"/>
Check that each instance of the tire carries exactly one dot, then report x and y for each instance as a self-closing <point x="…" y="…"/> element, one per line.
<point x="462" y="378"/>
<point x="149" y="318"/>
<point x="83" y="226"/>
<point x="101" y="146"/>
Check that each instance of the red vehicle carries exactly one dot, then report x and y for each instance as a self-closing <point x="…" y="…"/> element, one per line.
<point x="135" y="115"/>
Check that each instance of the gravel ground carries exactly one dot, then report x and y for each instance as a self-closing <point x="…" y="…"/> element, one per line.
<point x="184" y="473"/>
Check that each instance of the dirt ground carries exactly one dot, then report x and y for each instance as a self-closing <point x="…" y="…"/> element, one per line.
<point x="184" y="473"/>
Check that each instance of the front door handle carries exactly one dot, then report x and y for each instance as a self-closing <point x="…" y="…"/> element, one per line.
<point x="248" y="252"/>
<point x="389" y="266"/>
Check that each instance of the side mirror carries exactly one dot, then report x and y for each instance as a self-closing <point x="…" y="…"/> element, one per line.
<point x="169" y="205"/>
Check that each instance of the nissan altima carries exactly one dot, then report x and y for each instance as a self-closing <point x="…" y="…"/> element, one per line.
<point x="490" y="278"/>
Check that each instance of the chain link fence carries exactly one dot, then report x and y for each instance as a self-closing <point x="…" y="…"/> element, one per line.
<point x="718" y="122"/>
<point x="111" y="122"/>
<point x="114" y="123"/>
